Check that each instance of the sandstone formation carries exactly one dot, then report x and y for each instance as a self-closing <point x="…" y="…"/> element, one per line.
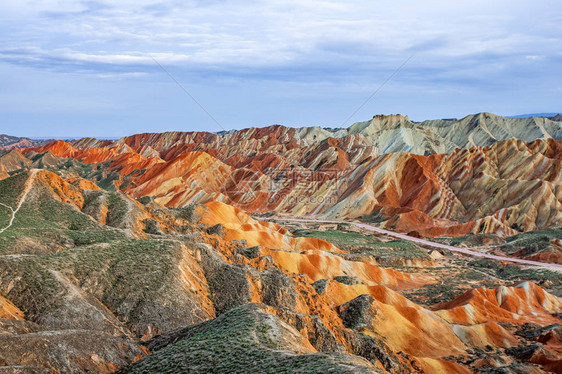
<point x="140" y="255"/>
<point x="498" y="176"/>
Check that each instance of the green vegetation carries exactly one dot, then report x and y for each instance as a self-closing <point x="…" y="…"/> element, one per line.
<point x="239" y="341"/>
<point x="455" y="241"/>
<point x="145" y="200"/>
<point x="95" y="172"/>
<point x="347" y="239"/>
<point x="486" y="263"/>
<point x="187" y="213"/>
<point x="436" y="293"/>
<point x="5" y="216"/>
<point x="118" y="208"/>
<point x="388" y="253"/>
<point x="515" y="274"/>
<point x="73" y="165"/>
<point x="33" y="288"/>
<point x="137" y="279"/>
<point x="151" y="226"/>
<point x="48" y="223"/>
<point x="11" y="188"/>
<point x="455" y="282"/>
<point x="106" y="182"/>
<point x="531" y="236"/>
<point x="376" y="217"/>
<point x="116" y="268"/>
<point x="531" y="242"/>
<point x="537" y="275"/>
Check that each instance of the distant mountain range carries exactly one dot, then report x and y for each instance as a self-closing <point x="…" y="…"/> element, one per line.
<point x="8" y="142"/>
<point x="545" y="115"/>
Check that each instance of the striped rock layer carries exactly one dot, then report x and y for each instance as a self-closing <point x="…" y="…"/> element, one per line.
<point x="480" y="174"/>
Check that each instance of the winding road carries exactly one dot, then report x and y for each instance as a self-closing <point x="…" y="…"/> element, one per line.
<point x="26" y="190"/>
<point x="429" y="243"/>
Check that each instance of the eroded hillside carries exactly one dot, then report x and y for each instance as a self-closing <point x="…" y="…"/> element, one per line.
<point x="94" y="280"/>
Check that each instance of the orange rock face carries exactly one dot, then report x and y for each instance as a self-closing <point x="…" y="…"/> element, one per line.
<point x="526" y="301"/>
<point x="62" y="189"/>
<point x="314" y="257"/>
<point x="474" y="319"/>
<point x="9" y="310"/>
<point x="240" y="226"/>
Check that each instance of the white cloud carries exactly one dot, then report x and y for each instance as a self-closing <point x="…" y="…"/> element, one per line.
<point x="305" y="49"/>
<point x="135" y="74"/>
<point x="275" y="33"/>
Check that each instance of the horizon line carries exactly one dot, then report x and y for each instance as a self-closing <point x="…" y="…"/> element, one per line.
<point x="66" y="137"/>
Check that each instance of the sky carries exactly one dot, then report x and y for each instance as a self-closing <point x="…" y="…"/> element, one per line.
<point x="100" y="68"/>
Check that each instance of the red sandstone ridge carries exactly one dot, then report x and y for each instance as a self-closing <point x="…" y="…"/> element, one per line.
<point x="123" y="159"/>
<point x="503" y="188"/>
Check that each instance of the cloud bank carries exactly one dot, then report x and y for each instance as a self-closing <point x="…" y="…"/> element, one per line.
<point x="274" y="61"/>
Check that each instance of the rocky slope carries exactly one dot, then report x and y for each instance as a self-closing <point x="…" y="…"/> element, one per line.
<point x="208" y="288"/>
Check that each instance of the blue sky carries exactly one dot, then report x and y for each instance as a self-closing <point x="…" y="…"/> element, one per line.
<point x="83" y="68"/>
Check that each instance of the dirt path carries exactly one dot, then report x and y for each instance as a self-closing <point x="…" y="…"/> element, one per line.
<point x="26" y="190"/>
<point x="429" y="243"/>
